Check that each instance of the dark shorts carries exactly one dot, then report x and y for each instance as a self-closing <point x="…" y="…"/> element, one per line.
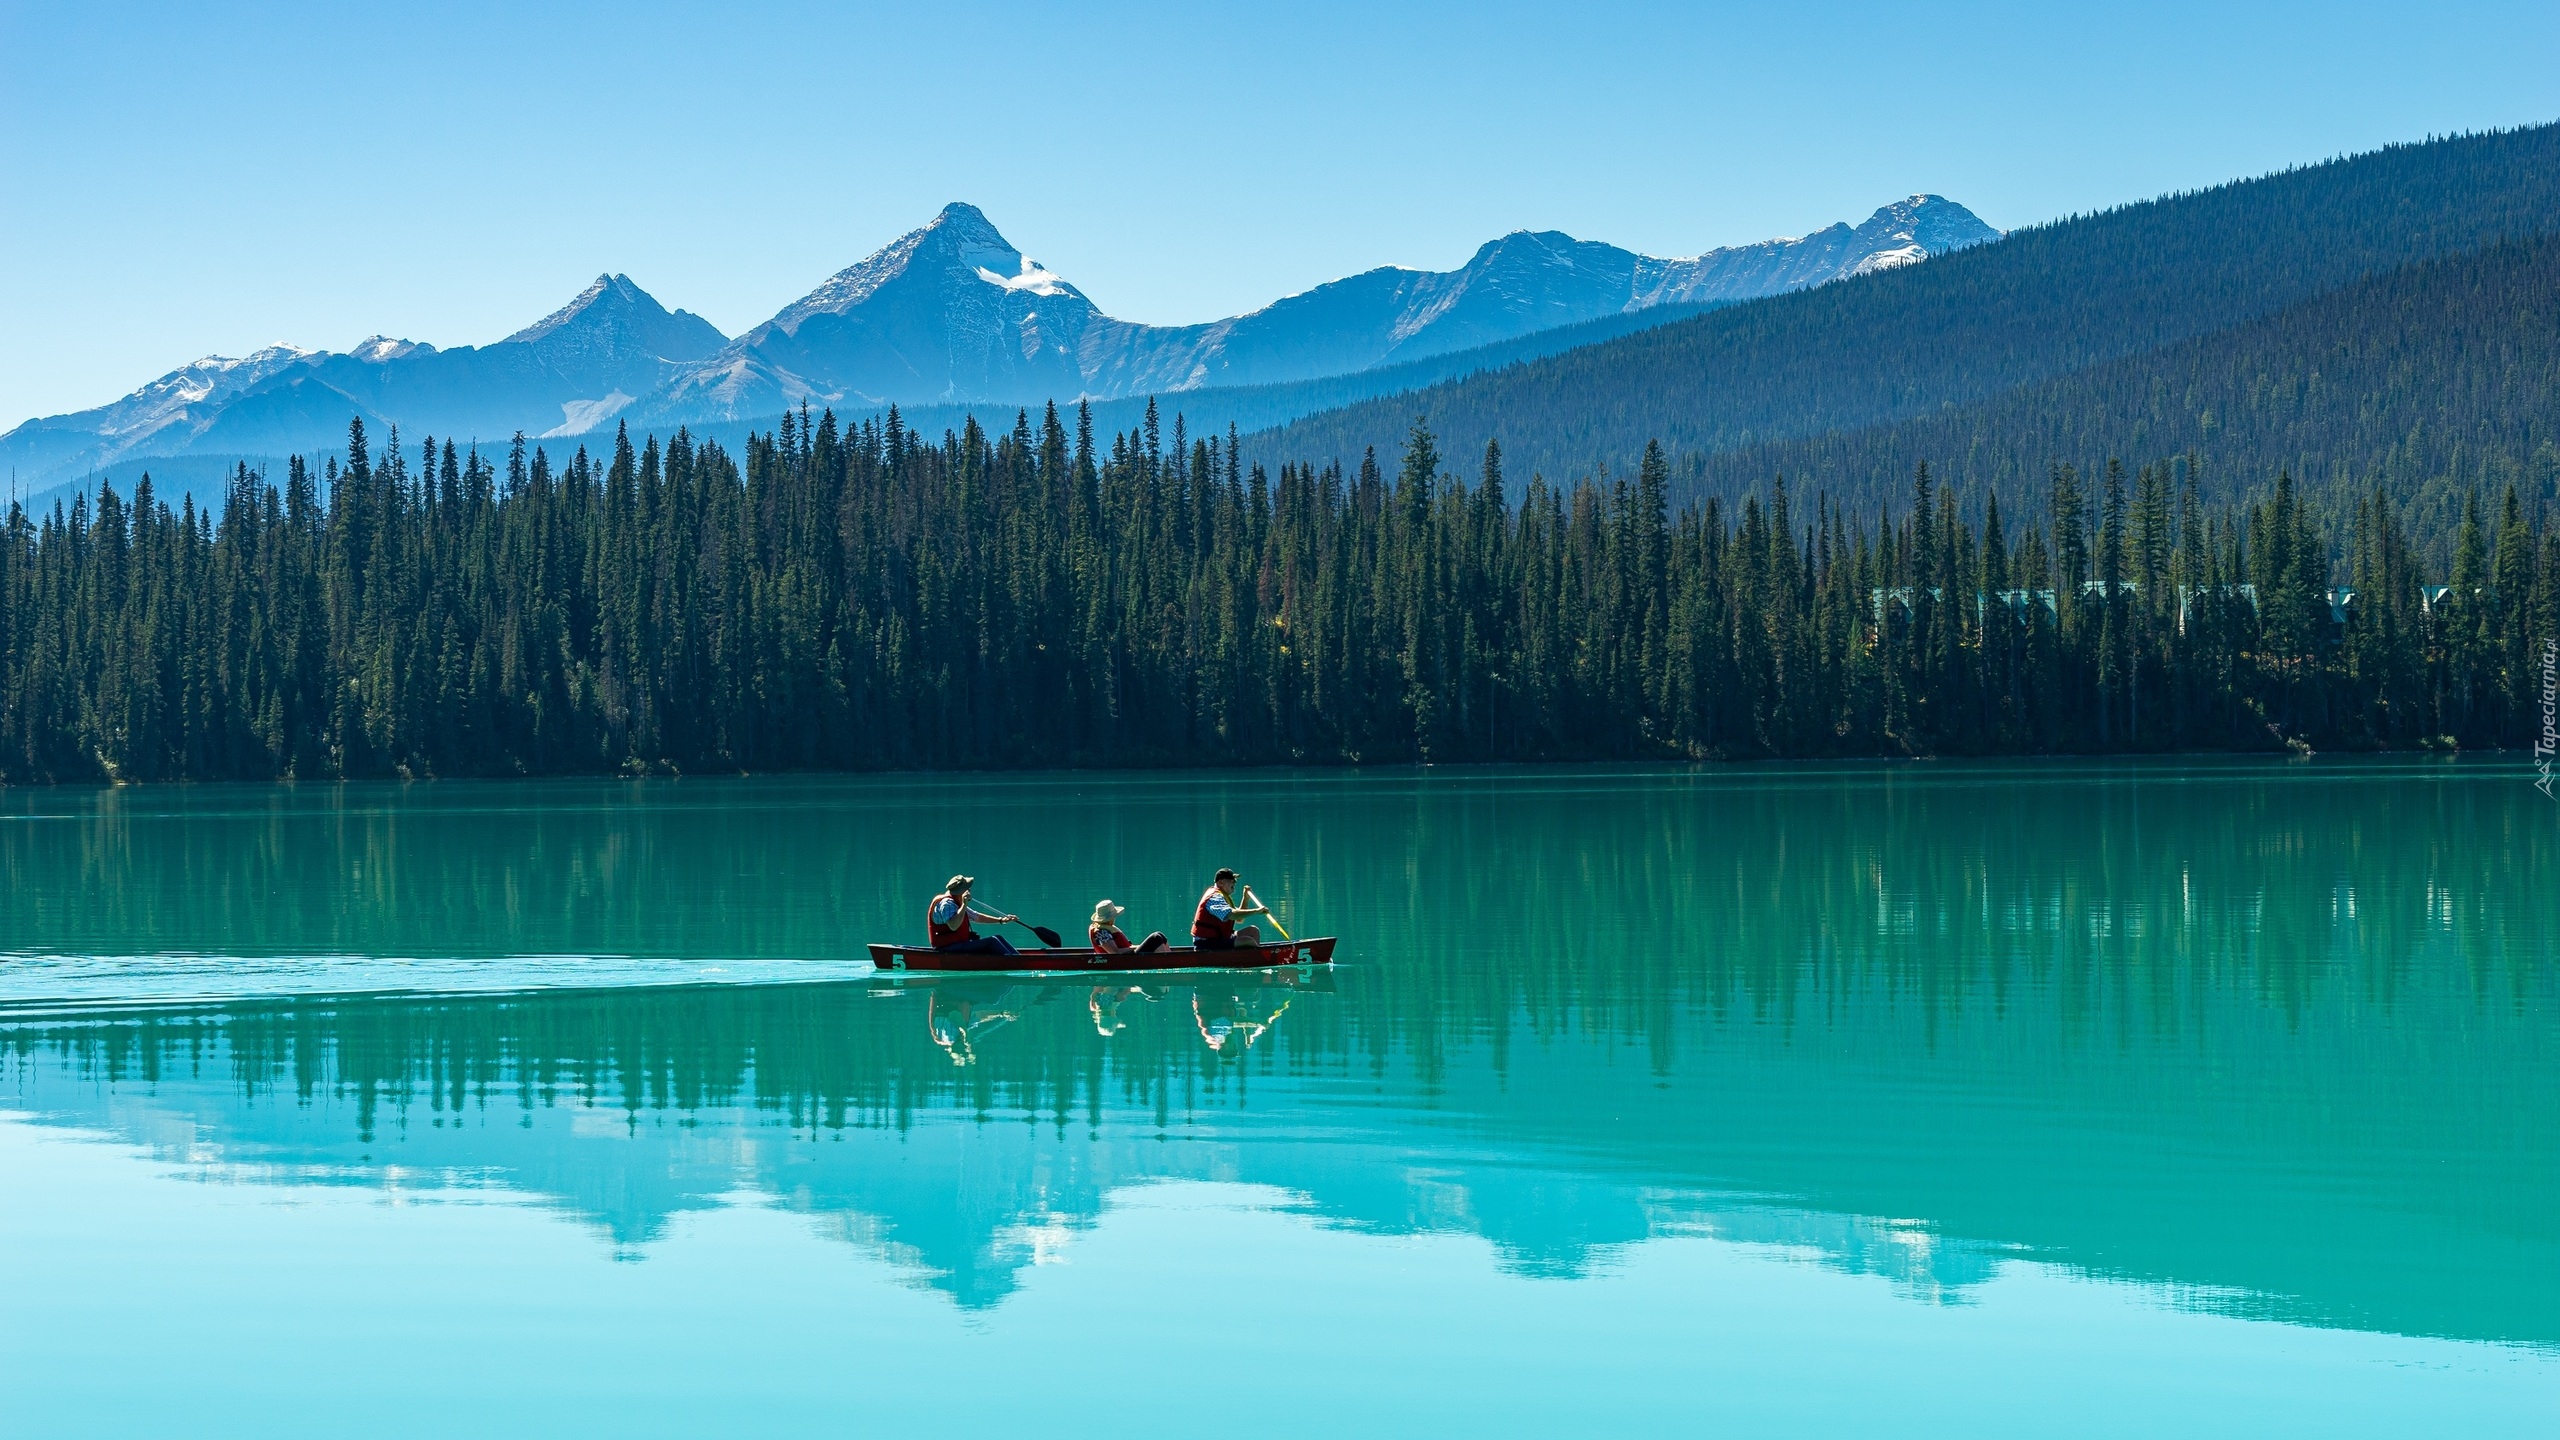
<point x="980" y="945"/>
<point x="1206" y="942"/>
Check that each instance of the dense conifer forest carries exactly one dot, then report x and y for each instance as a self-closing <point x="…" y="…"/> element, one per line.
<point x="875" y="599"/>
<point x="2434" y="381"/>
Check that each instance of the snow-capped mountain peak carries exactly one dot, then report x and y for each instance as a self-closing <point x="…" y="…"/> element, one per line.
<point x="200" y="378"/>
<point x="154" y="403"/>
<point x="280" y="353"/>
<point x="382" y="349"/>
<point x="951" y="310"/>
<point x="960" y="241"/>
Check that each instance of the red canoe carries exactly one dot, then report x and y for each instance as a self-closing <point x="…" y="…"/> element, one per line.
<point x="1273" y="956"/>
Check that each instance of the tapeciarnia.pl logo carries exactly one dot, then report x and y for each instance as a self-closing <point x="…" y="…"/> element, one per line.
<point x="2548" y="742"/>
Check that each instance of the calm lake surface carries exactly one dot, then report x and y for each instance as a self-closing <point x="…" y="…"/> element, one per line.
<point x="2217" y="1098"/>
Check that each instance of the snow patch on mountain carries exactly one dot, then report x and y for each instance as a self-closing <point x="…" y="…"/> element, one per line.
<point x="1034" y="279"/>
<point x="1889" y="259"/>
<point x="577" y="417"/>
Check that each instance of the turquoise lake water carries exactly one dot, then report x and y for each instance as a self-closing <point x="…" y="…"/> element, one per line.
<point x="2216" y="1098"/>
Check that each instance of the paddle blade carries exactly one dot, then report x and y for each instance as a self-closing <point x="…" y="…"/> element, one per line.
<point x="1047" y="936"/>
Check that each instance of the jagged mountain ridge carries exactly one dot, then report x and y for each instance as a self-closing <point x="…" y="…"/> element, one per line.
<point x="574" y="368"/>
<point x="583" y="362"/>
<point x="1529" y="281"/>
<point x="953" y="313"/>
<point x="183" y="401"/>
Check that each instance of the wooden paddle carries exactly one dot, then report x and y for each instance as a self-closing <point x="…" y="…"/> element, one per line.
<point x="1047" y="936"/>
<point x="1252" y="899"/>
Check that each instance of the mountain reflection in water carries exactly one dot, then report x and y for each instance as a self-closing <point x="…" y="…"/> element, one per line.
<point x="2275" y="1043"/>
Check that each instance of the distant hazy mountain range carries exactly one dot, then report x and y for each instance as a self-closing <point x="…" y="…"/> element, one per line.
<point x="573" y="367"/>
<point x="950" y="313"/>
<point x="2379" y="317"/>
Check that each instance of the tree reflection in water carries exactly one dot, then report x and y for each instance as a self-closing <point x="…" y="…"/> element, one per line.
<point x="2277" y="1040"/>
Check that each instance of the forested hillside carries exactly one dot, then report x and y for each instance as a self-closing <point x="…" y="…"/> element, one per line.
<point x="1245" y="407"/>
<point x="1964" y="327"/>
<point x="2433" y="381"/>
<point x="874" y="599"/>
<point x="1254" y="407"/>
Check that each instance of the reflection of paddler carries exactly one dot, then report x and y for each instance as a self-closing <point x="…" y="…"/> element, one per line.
<point x="1106" y="1002"/>
<point x="956" y="1028"/>
<point x="1234" y="1030"/>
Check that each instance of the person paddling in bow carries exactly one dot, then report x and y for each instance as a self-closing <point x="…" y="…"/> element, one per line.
<point x="1213" y="924"/>
<point x="952" y="922"/>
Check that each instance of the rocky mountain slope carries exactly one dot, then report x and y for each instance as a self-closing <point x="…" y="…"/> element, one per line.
<point x="953" y="313"/>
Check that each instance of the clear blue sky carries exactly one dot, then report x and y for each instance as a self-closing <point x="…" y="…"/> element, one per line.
<point x="177" y="180"/>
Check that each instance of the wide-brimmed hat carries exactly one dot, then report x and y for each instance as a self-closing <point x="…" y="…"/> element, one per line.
<point x="1106" y="913"/>
<point x="961" y="882"/>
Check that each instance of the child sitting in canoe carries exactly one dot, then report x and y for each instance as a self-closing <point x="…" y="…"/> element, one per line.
<point x="1107" y="936"/>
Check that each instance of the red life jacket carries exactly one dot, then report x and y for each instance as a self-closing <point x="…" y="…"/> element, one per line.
<point x="1095" y="935"/>
<point x="1205" y="926"/>
<point x="955" y="932"/>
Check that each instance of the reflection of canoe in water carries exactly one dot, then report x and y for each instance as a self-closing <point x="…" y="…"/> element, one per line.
<point x="1274" y="956"/>
<point x="1028" y="993"/>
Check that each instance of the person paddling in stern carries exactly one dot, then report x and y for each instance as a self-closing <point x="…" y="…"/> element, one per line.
<point x="1107" y="936"/>
<point x="952" y="922"/>
<point x="1213" y="924"/>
